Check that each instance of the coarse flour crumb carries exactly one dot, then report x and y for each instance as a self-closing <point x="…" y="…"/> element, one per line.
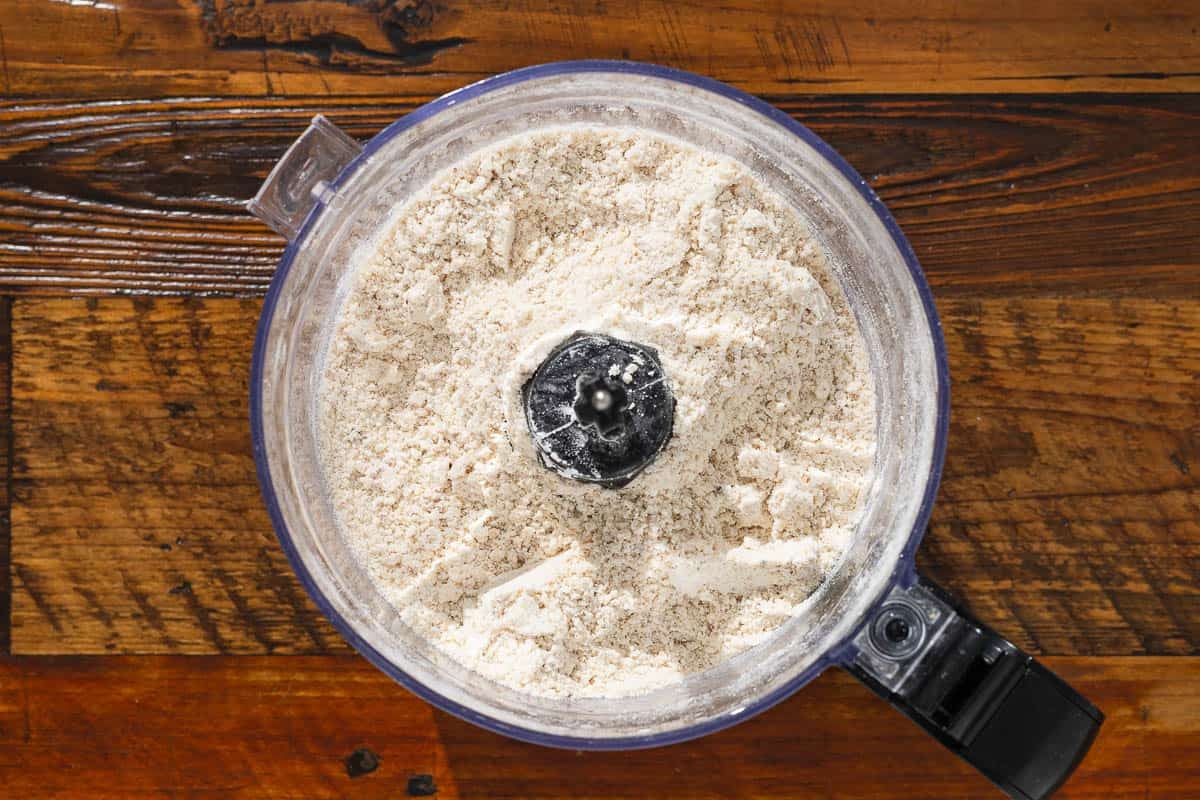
<point x="544" y="584"/>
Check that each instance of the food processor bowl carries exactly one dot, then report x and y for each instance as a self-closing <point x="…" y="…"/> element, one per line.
<point x="332" y="199"/>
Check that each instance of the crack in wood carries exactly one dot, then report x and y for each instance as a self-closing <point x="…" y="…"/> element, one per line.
<point x="372" y="37"/>
<point x="1070" y="76"/>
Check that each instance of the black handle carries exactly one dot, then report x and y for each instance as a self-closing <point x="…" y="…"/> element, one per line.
<point x="1000" y="710"/>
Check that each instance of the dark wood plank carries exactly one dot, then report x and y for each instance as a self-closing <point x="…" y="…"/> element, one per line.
<point x="998" y="194"/>
<point x="5" y="471"/>
<point x="1068" y="513"/>
<point x="144" y="48"/>
<point x="245" y="727"/>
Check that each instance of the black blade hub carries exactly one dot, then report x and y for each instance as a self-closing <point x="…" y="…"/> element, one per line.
<point x="599" y="409"/>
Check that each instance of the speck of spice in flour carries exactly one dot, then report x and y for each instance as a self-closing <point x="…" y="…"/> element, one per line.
<point x="544" y="584"/>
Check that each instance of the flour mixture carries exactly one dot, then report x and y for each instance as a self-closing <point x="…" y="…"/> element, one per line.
<point x="554" y="586"/>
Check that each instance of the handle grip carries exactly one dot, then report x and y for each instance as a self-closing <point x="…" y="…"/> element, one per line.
<point x="301" y="178"/>
<point x="992" y="704"/>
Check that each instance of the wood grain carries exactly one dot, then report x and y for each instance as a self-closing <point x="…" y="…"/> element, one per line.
<point x="999" y="195"/>
<point x="152" y="532"/>
<point x="141" y="586"/>
<point x="245" y="727"/>
<point x="1068" y="515"/>
<point x="5" y="470"/>
<point x="144" y="48"/>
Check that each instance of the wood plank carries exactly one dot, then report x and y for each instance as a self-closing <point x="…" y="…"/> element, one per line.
<point x="998" y="194"/>
<point x="5" y="470"/>
<point x="208" y="47"/>
<point x="246" y="727"/>
<point x="1068" y="514"/>
<point x="163" y="510"/>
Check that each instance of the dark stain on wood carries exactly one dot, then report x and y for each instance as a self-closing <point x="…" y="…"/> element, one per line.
<point x="362" y="761"/>
<point x="97" y="609"/>
<point x="30" y="586"/>
<point x="347" y="54"/>
<point x="177" y="410"/>
<point x="376" y="37"/>
<point x="149" y="610"/>
<point x="421" y="786"/>
<point x="1082" y="76"/>
<point x="245" y="610"/>
<point x="286" y="591"/>
<point x="203" y="615"/>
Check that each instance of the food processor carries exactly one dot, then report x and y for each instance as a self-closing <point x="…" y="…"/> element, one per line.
<point x="873" y="615"/>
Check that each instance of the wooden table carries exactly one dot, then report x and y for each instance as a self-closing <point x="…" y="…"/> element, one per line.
<point x="1044" y="159"/>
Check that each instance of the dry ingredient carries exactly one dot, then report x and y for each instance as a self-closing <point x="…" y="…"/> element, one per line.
<point x="560" y="588"/>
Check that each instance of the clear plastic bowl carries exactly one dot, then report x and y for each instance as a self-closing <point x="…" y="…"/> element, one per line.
<point x="871" y="258"/>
